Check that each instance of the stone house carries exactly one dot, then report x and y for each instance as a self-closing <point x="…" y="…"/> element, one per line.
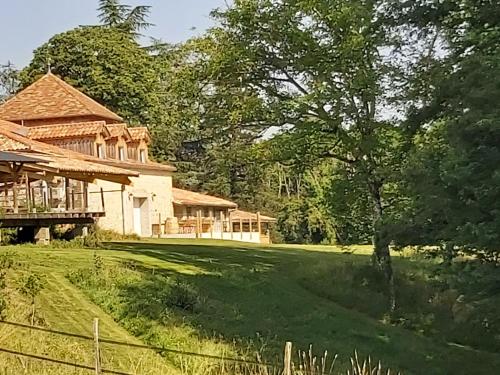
<point x="54" y="113"/>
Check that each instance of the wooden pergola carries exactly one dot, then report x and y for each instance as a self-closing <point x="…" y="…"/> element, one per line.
<point x="27" y="198"/>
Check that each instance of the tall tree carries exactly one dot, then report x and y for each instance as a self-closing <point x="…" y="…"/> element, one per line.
<point x="9" y="81"/>
<point x="219" y="119"/>
<point x="111" y="67"/>
<point x="454" y="172"/>
<point x="124" y="17"/>
<point x="318" y="64"/>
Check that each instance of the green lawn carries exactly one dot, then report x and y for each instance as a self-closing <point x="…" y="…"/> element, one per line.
<point x="251" y="297"/>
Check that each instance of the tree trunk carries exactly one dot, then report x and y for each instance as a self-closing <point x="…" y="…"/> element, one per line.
<point x="448" y="253"/>
<point x="380" y="240"/>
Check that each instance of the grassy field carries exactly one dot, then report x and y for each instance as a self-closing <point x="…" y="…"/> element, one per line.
<point x="247" y="298"/>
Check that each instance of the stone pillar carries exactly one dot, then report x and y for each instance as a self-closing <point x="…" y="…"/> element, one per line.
<point x="42" y="235"/>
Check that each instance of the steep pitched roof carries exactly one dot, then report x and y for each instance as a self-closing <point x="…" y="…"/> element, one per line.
<point x="117" y="130"/>
<point x="62" y="159"/>
<point x="59" y="131"/>
<point x="140" y="133"/>
<point x="190" y="198"/>
<point x="51" y="97"/>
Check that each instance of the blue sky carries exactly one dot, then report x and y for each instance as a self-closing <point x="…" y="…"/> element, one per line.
<point x="26" y="24"/>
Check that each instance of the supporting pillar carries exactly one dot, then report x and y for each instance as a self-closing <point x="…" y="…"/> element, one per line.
<point x="241" y="229"/>
<point x="231" y="229"/>
<point x="212" y="222"/>
<point x="28" y="193"/>
<point x="199" y="226"/>
<point x="47" y="197"/>
<point x="250" y="224"/>
<point x="85" y="196"/>
<point x="66" y="185"/>
<point x="42" y="235"/>
<point x="14" y="196"/>
<point x="259" y="223"/>
<point x="222" y="224"/>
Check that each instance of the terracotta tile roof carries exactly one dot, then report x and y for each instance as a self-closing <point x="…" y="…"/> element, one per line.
<point x="15" y="128"/>
<point x="51" y="97"/>
<point x="246" y="216"/>
<point x="140" y="133"/>
<point x="138" y="166"/>
<point x="7" y="143"/>
<point x="117" y="130"/>
<point x="72" y="130"/>
<point x="190" y="198"/>
<point x="62" y="159"/>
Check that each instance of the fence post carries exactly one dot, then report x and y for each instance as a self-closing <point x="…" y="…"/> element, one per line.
<point x="287" y="359"/>
<point x="102" y="200"/>
<point x="96" y="347"/>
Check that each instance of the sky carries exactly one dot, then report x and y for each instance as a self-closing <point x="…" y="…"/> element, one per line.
<point x="27" y="24"/>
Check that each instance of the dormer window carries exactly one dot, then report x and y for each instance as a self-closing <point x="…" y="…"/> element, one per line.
<point x="142" y="156"/>
<point x="100" y="151"/>
<point x="121" y="153"/>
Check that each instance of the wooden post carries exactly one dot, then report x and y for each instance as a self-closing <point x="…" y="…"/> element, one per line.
<point x="259" y="223"/>
<point x="85" y="198"/>
<point x="66" y="185"/>
<point x="50" y="199"/>
<point x="14" y="196"/>
<point x="96" y="347"/>
<point x="241" y="228"/>
<point x="72" y="198"/>
<point x="199" y="226"/>
<point x="287" y="359"/>
<point x="212" y="222"/>
<point x="250" y="224"/>
<point x="231" y="224"/>
<point x="222" y="225"/>
<point x="33" y="198"/>
<point x="28" y="192"/>
<point x="102" y="200"/>
<point x="44" y="198"/>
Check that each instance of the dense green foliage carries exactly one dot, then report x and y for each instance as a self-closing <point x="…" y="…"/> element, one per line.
<point x="107" y="64"/>
<point x="350" y="121"/>
<point x="230" y="298"/>
<point x="452" y="174"/>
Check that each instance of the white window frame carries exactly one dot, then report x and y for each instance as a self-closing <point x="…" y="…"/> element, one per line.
<point x="101" y="151"/>
<point x="121" y="153"/>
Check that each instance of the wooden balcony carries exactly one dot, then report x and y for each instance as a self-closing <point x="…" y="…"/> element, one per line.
<point x="25" y="205"/>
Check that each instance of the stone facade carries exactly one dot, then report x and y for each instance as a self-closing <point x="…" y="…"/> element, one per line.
<point x="149" y="198"/>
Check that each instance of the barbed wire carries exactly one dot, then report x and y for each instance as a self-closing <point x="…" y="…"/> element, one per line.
<point x="61" y="362"/>
<point x="160" y="349"/>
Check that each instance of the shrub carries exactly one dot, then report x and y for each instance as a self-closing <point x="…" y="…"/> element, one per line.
<point x="98" y="264"/>
<point x="8" y="260"/>
<point x="182" y="295"/>
<point x="93" y="239"/>
<point x="111" y="235"/>
<point x="76" y="243"/>
<point x="30" y="286"/>
<point x="9" y="236"/>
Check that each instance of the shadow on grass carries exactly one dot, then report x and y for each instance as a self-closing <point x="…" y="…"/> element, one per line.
<point x="255" y="294"/>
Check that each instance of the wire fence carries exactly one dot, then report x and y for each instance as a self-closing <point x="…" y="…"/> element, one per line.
<point x="98" y="340"/>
